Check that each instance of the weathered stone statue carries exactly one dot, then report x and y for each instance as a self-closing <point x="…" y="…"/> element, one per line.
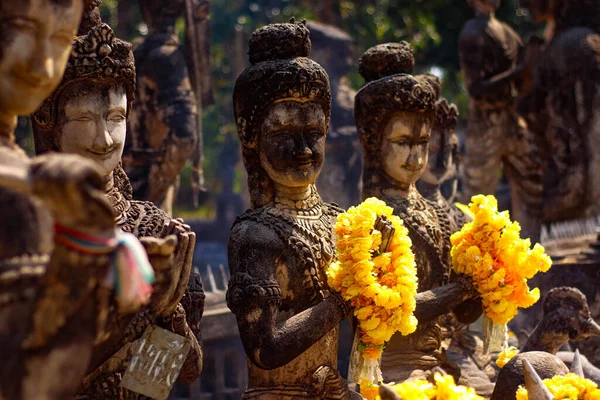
<point x="443" y="146"/>
<point x="86" y="115"/>
<point x="492" y="59"/>
<point x="566" y="317"/>
<point x="564" y="106"/>
<point x="394" y="114"/>
<point x="53" y="300"/>
<point x="280" y="248"/>
<point x="163" y="132"/>
<point x="332" y="49"/>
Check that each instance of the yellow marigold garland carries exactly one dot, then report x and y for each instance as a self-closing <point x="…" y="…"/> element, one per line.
<point x="506" y="355"/>
<point x="420" y="389"/>
<point x="490" y="250"/>
<point x="570" y="387"/>
<point x="380" y="288"/>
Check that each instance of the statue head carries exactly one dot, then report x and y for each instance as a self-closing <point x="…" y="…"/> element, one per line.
<point x="37" y="37"/>
<point x="566" y="13"/>
<point x="568" y="312"/>
<point x="332" y="48"/>
<point x="157" y="13"/>
<point x="86" y="114"/>
<point x="282" y="104"/>
<point x="484" y="6"/>
<point x="394" y="114"/>
<point x="443" y="145"/>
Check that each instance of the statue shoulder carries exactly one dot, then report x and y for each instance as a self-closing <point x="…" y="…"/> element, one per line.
<point x="332" y="209"/>
<point x="256" y="232"/>
<point x="254" y="247"/>
<point x="577" y="45"/>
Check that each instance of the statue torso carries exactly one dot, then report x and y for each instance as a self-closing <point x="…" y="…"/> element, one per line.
<point x="568" y="86"/>
<point x="431" y="245"/>
<point x="111" y="357"/>
<point x="306" y="247"/>
<point x="489" y="47"/>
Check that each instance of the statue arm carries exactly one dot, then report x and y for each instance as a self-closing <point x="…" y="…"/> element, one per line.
<point x="254" y="296"/>
<point x="178" y="110"/>
<point x="443" y="299"/>
<point x="472" y="62"/>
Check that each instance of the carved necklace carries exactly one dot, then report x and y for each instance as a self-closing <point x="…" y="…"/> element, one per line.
<point x="421" y="216"/>
<point x="120" y="204"/>
<point x="311" y="238"/>
<point x="305" y="207"/>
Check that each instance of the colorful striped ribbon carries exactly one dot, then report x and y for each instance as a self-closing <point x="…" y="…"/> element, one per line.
<point x="131" y="275"/>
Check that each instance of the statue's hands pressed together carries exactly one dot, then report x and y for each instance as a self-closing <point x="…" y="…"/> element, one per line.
<point x="72" y="189"/>
<point x="161" y="254"/>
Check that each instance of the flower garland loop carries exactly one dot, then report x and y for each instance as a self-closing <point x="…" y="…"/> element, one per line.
<point x="566" y="387"/>
<point x="490" y="250"/>
<point x="381" y="287"/>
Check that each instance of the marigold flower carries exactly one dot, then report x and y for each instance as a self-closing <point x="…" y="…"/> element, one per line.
<point x="490" y="250"/>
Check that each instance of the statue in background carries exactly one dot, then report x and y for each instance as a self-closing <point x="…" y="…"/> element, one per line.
<point x="564" y="107"/>
<point x="163" y="131"/>
<point x="280" y="248"/>
<point x="53" y="295"/>
<point x="441" y="165"/>
<point x="495" y="63"/>
<point x="87" y="115"/>
<point x="340" y="180"/>
<point x="394" y="115"/>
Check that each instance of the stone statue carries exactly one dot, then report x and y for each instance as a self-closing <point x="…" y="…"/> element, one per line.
<point x="86" y="115"/>
<point x="53" y="297"/>
<point x="340" y="179"/>
<point x="566" y="316"/>
<point x="394" y="115"/>
<point x="443" y="149"/>
<point x="492" y="59"/>
<point x="162" y="127"/>
<point x="564" y="106"/>
<point x="280" y="248"/>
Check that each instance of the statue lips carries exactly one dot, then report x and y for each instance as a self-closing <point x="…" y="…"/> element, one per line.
<point x="27" y="79"/>
<point x="102" y="153"/>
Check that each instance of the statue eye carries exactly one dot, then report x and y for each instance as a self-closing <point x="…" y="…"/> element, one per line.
<point x="24" y="24"/>
<point x="117" y="118"/>
<point x="81" y="118"/>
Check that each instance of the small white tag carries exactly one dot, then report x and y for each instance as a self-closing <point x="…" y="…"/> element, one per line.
<point x="156" y="362"/>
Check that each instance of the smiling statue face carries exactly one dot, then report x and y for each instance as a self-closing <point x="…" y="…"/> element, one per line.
<point x="37" y="36"/>
<point x="95" y="126"/>
<point x="404" y="146"/>
<point x="440" y="164"/>
<point x="292" y="142"/>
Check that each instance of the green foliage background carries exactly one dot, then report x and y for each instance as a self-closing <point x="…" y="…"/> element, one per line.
<point x="431" y="26"/>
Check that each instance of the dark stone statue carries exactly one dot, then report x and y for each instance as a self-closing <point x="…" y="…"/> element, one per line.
<point x="492" y="59"/>
<point x="163" y="132"/>
<point x="563" y="108"/>
<point x="340" y="179"/>
<point x="395" y="112"/>
<point x="87" y="115"/>
<point x="280" y="248"/>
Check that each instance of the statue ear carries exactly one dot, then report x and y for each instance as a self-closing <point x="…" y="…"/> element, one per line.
<point x="576" y="366"/>
<point x="387" y="393"/>
<point x="536" y="390"/>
